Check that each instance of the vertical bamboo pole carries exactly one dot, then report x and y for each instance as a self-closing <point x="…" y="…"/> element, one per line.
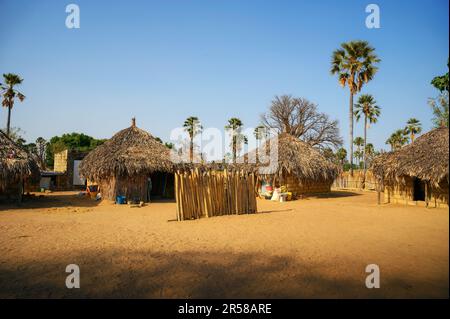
<point x="181" y="195"/>
<point x="205" y="194"/>
<point x="177" y="200"/>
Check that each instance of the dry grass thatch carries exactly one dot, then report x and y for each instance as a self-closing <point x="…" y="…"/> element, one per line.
<point x="129" y="152"/>
<point x="426" y="158"/>
<point x="15" y="163"/>
<point x="296" y="158"/>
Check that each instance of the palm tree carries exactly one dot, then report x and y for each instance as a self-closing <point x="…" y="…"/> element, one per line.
<point x="259" y="132"/>
<point x="192" y="127"/>
<point x="358" y="156"/>
<point x="370" y="150"/>
<point x="369" y="153"/>
<point x="354" y="63"/>
<point x="237" y="138"/>
<point x="391" y="142"/>
<point x="341" y="155"/>
<point x="9" y="95"/>
<point x="358" y="142"/>
<point x="368" y="107"/>
<point x="413" y="127"/>
<point x="397" y="140"/>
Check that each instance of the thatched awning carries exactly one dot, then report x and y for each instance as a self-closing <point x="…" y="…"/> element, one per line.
<point x="128" y="153"/>
<point x="293" y="157"/>
<point x="15" y="163"/>
<point x="426" y="158"/>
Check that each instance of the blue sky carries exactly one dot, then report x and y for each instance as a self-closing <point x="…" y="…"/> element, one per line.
<point x="163" y="61"/>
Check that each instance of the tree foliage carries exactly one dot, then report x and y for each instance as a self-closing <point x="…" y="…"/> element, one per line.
<point x="301" y="118"/>
<point x="70" y="141"/>
<point x="441" y="82"/>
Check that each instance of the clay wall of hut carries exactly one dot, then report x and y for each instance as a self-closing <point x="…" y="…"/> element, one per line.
<point x="411" y="192"/>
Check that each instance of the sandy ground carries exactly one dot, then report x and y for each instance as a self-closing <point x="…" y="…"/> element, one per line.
<point x="315" y="247"/>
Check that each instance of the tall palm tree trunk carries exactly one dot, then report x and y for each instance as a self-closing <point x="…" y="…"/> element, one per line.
<point x="191" y="149"/>
<point x="365" y="143"/>
<point x="351" y="132"/>
<point x="234" y="149"/>
<point x="364" y="152"/>
<point x="8" y="123"/>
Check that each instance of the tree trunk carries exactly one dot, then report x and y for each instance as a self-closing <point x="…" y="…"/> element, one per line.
<point x="234" y="149"/>
<point x="8" y="124"/>
<point x="191" y="150"/>
<point x="364" y="152"/>
<point x="350" y="117"/>
<point x="257" y="150"/>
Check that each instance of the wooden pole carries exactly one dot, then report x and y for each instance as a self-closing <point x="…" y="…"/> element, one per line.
<point x="177" y="200"/>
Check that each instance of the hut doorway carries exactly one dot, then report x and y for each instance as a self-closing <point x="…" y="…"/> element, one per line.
<point x="418" y="189"/>
<point x="162" y="185"/>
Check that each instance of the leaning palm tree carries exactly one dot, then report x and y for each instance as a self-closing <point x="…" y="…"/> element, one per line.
<point x="9" y="94"/>
<point x="237" y="138"/>
<point x="413" y="127"/>
<point x="355" y="64"/>
<point x="368" y="107"/>
<point x="192" y="127"/>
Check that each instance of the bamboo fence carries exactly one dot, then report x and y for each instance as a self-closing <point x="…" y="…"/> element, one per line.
<point x="345" y="181"/>
<point x="214" y="193"/>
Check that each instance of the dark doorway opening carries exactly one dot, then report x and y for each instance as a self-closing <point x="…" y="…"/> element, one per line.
<point x="419" y="189"/>
<point x="162" y="185"/>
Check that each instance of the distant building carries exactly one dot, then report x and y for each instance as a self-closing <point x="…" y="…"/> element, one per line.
<point x="65" y="174"/>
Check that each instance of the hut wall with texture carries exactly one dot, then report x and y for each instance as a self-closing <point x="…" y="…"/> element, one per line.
<point x="307" y="187"/>
<point x="134" y="187"/>
<point x="12" y="191"/>
<point x="403" y="193"/>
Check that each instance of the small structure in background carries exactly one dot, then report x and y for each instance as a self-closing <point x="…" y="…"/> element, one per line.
<point x="299" y="168"/>
<point x="65" y="174"/>
<point x="417" y="173"/>
<point x="123" y="165"/>
<point x="17" y="167"/>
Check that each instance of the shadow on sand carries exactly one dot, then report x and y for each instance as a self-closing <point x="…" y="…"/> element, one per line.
<point x="195" y="274"/>
<point x="69" y="199"/>
<point x="333" y="194"/>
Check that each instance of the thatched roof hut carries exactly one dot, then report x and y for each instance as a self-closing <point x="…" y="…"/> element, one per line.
<point x="122" y="165"/>
<point x="423" y="161"/>
<point x="16" y="165"/>
<point x="295" y="163"/>
<point x="426" y="158"/>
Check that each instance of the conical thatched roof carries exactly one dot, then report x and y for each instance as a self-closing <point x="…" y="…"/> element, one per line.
<point x="15" y="163"/>
<point x="129" y="152"/>
<point x="426" y="158"/>
<point x="294" y="157"/>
